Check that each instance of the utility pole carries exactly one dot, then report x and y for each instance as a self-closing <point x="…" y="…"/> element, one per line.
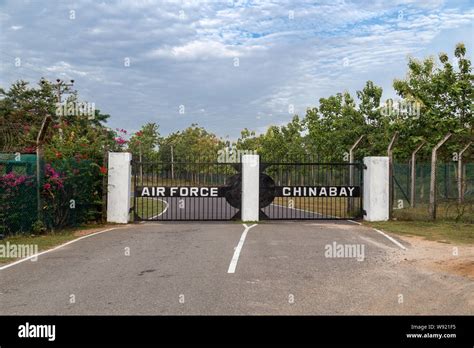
<point x="39" y="156"/>
<point x="172" y="163"/>
<point x="61" y="87"/>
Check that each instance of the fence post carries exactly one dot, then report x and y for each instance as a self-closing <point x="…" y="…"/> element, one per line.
<point x="460" y="175"/>
<point x="432" y="208"/>
<point x="351" y="170"/>
<point x="250" y="187"/>
<point x="376" y="193"/>
<point x="390" y="171"/>
<point x="119" y="182"/>
<point x="413" y="173"/>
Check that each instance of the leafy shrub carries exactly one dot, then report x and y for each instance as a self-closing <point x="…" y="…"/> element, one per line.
<point x="17" y="203"/>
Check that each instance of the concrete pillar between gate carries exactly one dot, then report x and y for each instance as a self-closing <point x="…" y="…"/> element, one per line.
<point x="118" y="191"/>
<point x="250" y="187"/>
<point x="376" y="189"/>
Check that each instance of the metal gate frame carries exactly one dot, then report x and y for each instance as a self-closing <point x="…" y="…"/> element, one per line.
<point x="352" y="175"/>
<point x="185" y="174"/>
<point x="226" y="178"/>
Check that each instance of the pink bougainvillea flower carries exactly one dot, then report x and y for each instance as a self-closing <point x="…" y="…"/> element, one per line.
<point x="12" y="179"/>
<point x="103" y="170"/>
<point x="19" y="180"/>
<point x="47" y="186"/>
<point x="29" y="149"/>
<point x="120" y="140"/>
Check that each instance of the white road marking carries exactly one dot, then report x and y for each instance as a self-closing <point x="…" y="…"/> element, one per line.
<point x="310" y="212"/>
<point x="355" y="222"/>
<point x="306" y="211"/>
<point x="164" y="210"/>
<point x="390" y="238"/>
<point x="55" y="248"/>
<point x="235" y="258"/>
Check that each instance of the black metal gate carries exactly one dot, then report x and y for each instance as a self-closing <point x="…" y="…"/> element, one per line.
<point x="311" y="191"/>
<point x="212" y="191"/>
<point x="185" y="191"/>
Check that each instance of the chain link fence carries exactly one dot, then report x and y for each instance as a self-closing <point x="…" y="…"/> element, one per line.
<point x="447" y="192"/>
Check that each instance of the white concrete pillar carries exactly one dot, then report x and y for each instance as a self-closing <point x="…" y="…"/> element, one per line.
<point x="119" y="182"/>
<point x="250" y="187"/>
<point x="376" y="189"/>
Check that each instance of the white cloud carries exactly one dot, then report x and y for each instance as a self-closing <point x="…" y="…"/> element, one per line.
<point x="200" y="50"/>
<point x="66" y="69"/>
<point x="188" y="59"/>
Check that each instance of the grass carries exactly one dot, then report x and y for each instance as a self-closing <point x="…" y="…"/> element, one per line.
<point x="441" y="231"/>
<point x="336" y="206"/>
<point x="446" y="211"/>
<point x="147" y="207"/>
<point x="454" y="222"/>
<point x="44" y="241"/>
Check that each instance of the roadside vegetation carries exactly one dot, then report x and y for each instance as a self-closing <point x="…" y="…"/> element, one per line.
<point x="454" y="224"/>
<point x="443" y="231"/>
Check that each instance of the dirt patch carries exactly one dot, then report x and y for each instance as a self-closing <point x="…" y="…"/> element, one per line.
<point x="461" y="267"/>
<point x="440" y="256"/>
<point x="85" y="232"/>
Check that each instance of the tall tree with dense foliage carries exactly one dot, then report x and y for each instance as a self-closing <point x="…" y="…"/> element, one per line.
<point x="445" y="93"/>
<point x="192" y="143"/>
<point x="144" y="144"/>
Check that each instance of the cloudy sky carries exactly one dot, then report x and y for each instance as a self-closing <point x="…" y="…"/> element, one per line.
<point x="225" y="65"/>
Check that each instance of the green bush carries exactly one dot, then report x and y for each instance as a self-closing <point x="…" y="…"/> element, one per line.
<point x="17" y="203"/>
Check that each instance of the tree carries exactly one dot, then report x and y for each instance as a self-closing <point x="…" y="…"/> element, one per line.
<point x="22" y="110"/>
<point x="445" y="95"/>
<point x="194" y="143"/>
<point x="333" y="127"/>
<point x="143" y="144"/>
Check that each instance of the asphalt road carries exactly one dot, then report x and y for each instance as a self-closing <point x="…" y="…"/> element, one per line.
<point x="217" y="208"/>
<point x="183" y="268"/>
<point x="202" y="208"/>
